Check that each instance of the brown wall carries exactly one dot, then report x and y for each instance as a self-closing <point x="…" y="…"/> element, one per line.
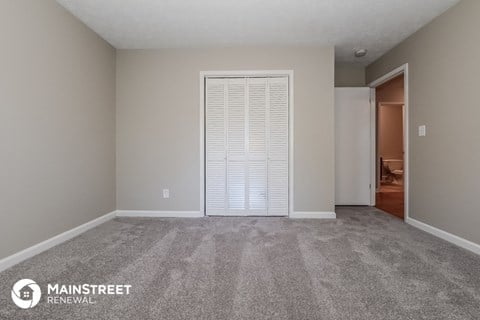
<point x="390" y="119"/>
<point x="390" y="131"/>
<point x="443" y="60"/>
<point x="391" y="91"/>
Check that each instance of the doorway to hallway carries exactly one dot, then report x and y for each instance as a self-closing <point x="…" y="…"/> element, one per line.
<point x="390" y="146"/>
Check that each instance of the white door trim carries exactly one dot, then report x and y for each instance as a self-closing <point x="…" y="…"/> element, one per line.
<point x="247" y="73"/>
<point x="388" y="103"/>
<point x="461" y="242"/>
<point x="313" y="215"/>
<point x="403" y="69"/>
<point x="373" y="149"/>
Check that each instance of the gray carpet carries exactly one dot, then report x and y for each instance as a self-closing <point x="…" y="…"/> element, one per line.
<point x="364" y="265"/>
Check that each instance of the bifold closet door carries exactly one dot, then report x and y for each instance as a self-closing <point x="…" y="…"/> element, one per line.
<point x="236" y="161"/>
<point x="215" y="147"/>
<point x="277" y="125"/>
<point x="257" y="146"/>
<point x="247" y="146"/>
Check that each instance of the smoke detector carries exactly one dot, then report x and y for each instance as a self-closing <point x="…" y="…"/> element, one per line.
<point x="360" y="53"/>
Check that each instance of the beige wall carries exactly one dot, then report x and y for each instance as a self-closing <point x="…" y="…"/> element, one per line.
<point x="444" y="66"/>
<point x="158" y="122"/>
<point x="57" y="111"/>
<point x="349" y="75"/>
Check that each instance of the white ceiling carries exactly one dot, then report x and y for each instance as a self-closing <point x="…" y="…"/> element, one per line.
<point x="377" y="25"/>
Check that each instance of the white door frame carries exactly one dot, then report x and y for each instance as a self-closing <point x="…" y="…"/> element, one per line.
<point x="247" y="73"/>
<point x="403" y="69"/>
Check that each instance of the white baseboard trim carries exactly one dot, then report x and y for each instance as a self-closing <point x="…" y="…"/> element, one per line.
<point x="159" y="214"/>
<point x="461" y="242"/>
<point x="27" y="253"/>
<point x="313" y="215"/>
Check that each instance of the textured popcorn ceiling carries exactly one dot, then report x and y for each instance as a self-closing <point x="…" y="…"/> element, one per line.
<point x="377" y="25"/>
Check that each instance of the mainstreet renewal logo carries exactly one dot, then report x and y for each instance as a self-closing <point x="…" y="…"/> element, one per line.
<point x="26" y="293"/>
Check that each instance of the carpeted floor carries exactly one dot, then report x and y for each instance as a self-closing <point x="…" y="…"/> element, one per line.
<point x="364" y="265"/>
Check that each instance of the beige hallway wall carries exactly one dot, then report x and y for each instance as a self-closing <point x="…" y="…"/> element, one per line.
<point x="57" y="123"/>
<point x="444" y="66"/>
<point x="349" y="75"/>
<point x="158" y="122"/>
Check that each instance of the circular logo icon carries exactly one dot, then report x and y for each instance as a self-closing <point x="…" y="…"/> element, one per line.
<point x="26" y="293"/>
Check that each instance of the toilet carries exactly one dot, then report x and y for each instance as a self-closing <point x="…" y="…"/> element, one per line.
<point x="396" y="169"/>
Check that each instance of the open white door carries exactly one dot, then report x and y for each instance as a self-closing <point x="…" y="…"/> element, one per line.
<point x="352" y="146"/>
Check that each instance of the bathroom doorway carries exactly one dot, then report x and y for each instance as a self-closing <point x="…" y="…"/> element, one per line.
<point x="390" y="146"/>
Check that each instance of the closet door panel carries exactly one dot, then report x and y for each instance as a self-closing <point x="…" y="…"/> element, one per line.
<point x="216" y="185"/>
<point x="257" y="187"/>
<point x="236" y="99"/>
<point x="236" y="146"/>
<point x="257" y="146"/>
<point x="215" y="146"/>
<point x="278" y="147"/>
<point x="257" y="117"/>
<point x="236" y="186"/>
<point x="278" y="188"/>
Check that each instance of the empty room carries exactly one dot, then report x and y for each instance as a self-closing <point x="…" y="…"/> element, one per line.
<point x="227" y="159"/>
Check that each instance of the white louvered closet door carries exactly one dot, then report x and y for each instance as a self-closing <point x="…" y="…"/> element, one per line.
<point x="277" y="125"/>
<point x="257" y="146"/>
<point x="215" y="146"/>
<point x="236" y="147"/>
<point x="247" y="146"/>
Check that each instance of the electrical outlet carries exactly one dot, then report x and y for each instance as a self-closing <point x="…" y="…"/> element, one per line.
<point x="422" y="131"/>
<point x="166" y="193"/>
